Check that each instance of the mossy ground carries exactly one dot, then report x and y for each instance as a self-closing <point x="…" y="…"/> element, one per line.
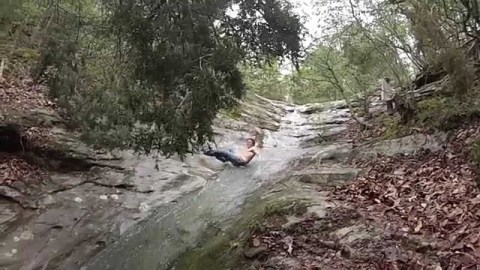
<point x="451" y="113"/>
<point x="225" y="249"/>
<point x="436" y="113"/>
<point x="233" y="112"/>
<point x="286" y="207"/>
<point x="475" y="152"/>
<point x="448" y="113"/>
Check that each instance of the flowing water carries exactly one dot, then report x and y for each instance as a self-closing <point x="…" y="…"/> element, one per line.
<point x="179" y="225"/>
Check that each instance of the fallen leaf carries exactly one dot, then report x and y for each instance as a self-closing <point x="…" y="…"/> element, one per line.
<point x="418" y="227"/>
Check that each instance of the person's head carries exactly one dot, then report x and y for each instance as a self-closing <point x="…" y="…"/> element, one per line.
<point x="387" y="80"/>
<point x="250" y="142"/>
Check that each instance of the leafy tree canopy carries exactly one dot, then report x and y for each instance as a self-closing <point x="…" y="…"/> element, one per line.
<point x="152" y="74"/>
<point x="185" y="54"/>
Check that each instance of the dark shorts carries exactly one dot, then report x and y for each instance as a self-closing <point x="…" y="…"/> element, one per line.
<point x="225" y="156"/>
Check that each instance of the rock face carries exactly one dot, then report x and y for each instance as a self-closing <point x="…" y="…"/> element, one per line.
<point x="323" y="163"/>
<point x="327" y="176"/>
<point x="406" y="145"/>
<point x="92" y="199"/>
<point x="318" y="107"/>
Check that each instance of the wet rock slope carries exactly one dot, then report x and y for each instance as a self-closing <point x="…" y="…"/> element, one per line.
<point x="99" y="210"/>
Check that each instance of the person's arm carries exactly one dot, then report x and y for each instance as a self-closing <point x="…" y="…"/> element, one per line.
<point x="254" y="149"/>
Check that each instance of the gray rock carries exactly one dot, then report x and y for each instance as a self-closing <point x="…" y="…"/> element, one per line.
<point x="319" y="107"/>
<point x="405" y="145"/>
<point x="323" y="134"/>
<point x="78" y="216"/>
<point x="159" y="214"/>
<point x="353" y="233"/>
<point x="28" y="118"/>
<point x="327" y="176"/>
<point x="333" y="153"/>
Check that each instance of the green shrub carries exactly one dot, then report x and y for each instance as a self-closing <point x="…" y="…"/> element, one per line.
<point x="393" y="128"/>
<point x="27" y="54"/>
<point x="475" y="153"/>
<point x="447" y="113"/>
<point x="233" y="112"/>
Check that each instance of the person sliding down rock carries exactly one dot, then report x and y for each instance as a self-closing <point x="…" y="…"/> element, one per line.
<point x="242" y="158"/>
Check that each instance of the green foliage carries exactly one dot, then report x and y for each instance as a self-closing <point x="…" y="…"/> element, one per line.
<point x="447" y="113"/>
<point x="266" y="81"/>
<point x="9" y="16"/>
<point x="256" y="226"/>
<point x="440" y="112"/>
<point x="460" y="71"/>
<point x="345" y="66"/>
<point x="475" y="153"/>
<point x="373" y="36"/>
<point x="309" y="89"/>
<point x="393" y="127"/>
<point x="233" y="112"/>
<point x="269" y="82"/>
<point x="369" y="40"/>
<point x="27" y="54"/>
<point x="475" y="157"/>
<point x="151" y="75"/>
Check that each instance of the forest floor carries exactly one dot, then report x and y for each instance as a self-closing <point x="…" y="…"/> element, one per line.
<point x="420" y="210"/>
<point x="20" y="94"/>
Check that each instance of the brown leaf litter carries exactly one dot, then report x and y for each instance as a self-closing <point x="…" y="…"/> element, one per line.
<point x="14" y="168"/>
<point x="21" y="93"/>
<point x="432" y="195"/>
<point x="424" y="208"/>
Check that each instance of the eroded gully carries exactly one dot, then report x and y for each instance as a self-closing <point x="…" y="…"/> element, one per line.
<point x="174" y="228"/>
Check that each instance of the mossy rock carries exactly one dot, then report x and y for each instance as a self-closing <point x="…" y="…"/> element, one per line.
<point x="286" y="208"/>
<point x="448" y="113"/>
<point x="226" y="249"/>
<point x="393" y="127"/>
<point x="233" y="112"/>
